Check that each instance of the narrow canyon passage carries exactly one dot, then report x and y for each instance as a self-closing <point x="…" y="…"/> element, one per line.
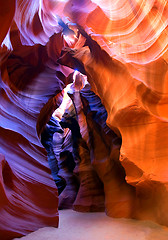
<point x="84" y="118"/>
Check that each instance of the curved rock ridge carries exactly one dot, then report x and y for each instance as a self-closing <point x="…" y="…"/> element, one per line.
<point x="28" y="83"/>
<point x="133" y="31"/>
<point x="125" y="60"/>
<point x="24" y="198"/>
<point x="143" y="151"/>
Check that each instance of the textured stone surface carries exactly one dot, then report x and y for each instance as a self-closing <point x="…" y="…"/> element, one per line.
<point x="130" y="78"/>
<point x="129" y="117"/>
<point x="29" y="198"/>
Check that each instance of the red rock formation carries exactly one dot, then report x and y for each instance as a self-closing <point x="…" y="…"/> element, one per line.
<point x="7" y="12"/>
<point x="90" y="196"/>
<point x="131" y="81"/>
<point x="137" y="126"/>
<point x="30" y="198"/>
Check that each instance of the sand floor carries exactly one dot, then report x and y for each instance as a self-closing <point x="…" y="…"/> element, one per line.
<point x="97" y="226"/>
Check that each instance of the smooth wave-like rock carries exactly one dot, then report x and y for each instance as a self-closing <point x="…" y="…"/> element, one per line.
<point x="140" y="130"/>
<point x="90" y="196"/>
<point x="125" y="60"/>
<point x="28" y="84"/>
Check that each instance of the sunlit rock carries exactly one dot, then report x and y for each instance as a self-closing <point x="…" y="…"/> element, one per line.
<point x="125" y="61"/>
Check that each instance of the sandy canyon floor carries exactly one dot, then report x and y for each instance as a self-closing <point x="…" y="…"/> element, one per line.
<point x="89" y="226"/>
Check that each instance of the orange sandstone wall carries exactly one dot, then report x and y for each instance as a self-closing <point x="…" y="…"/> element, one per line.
<point x="131" y="81"/>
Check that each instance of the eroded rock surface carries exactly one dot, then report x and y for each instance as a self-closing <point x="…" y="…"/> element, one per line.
<point x="125" y="60"/>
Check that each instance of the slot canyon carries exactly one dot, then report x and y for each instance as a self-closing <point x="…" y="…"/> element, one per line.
<point x="83" y="117"/>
